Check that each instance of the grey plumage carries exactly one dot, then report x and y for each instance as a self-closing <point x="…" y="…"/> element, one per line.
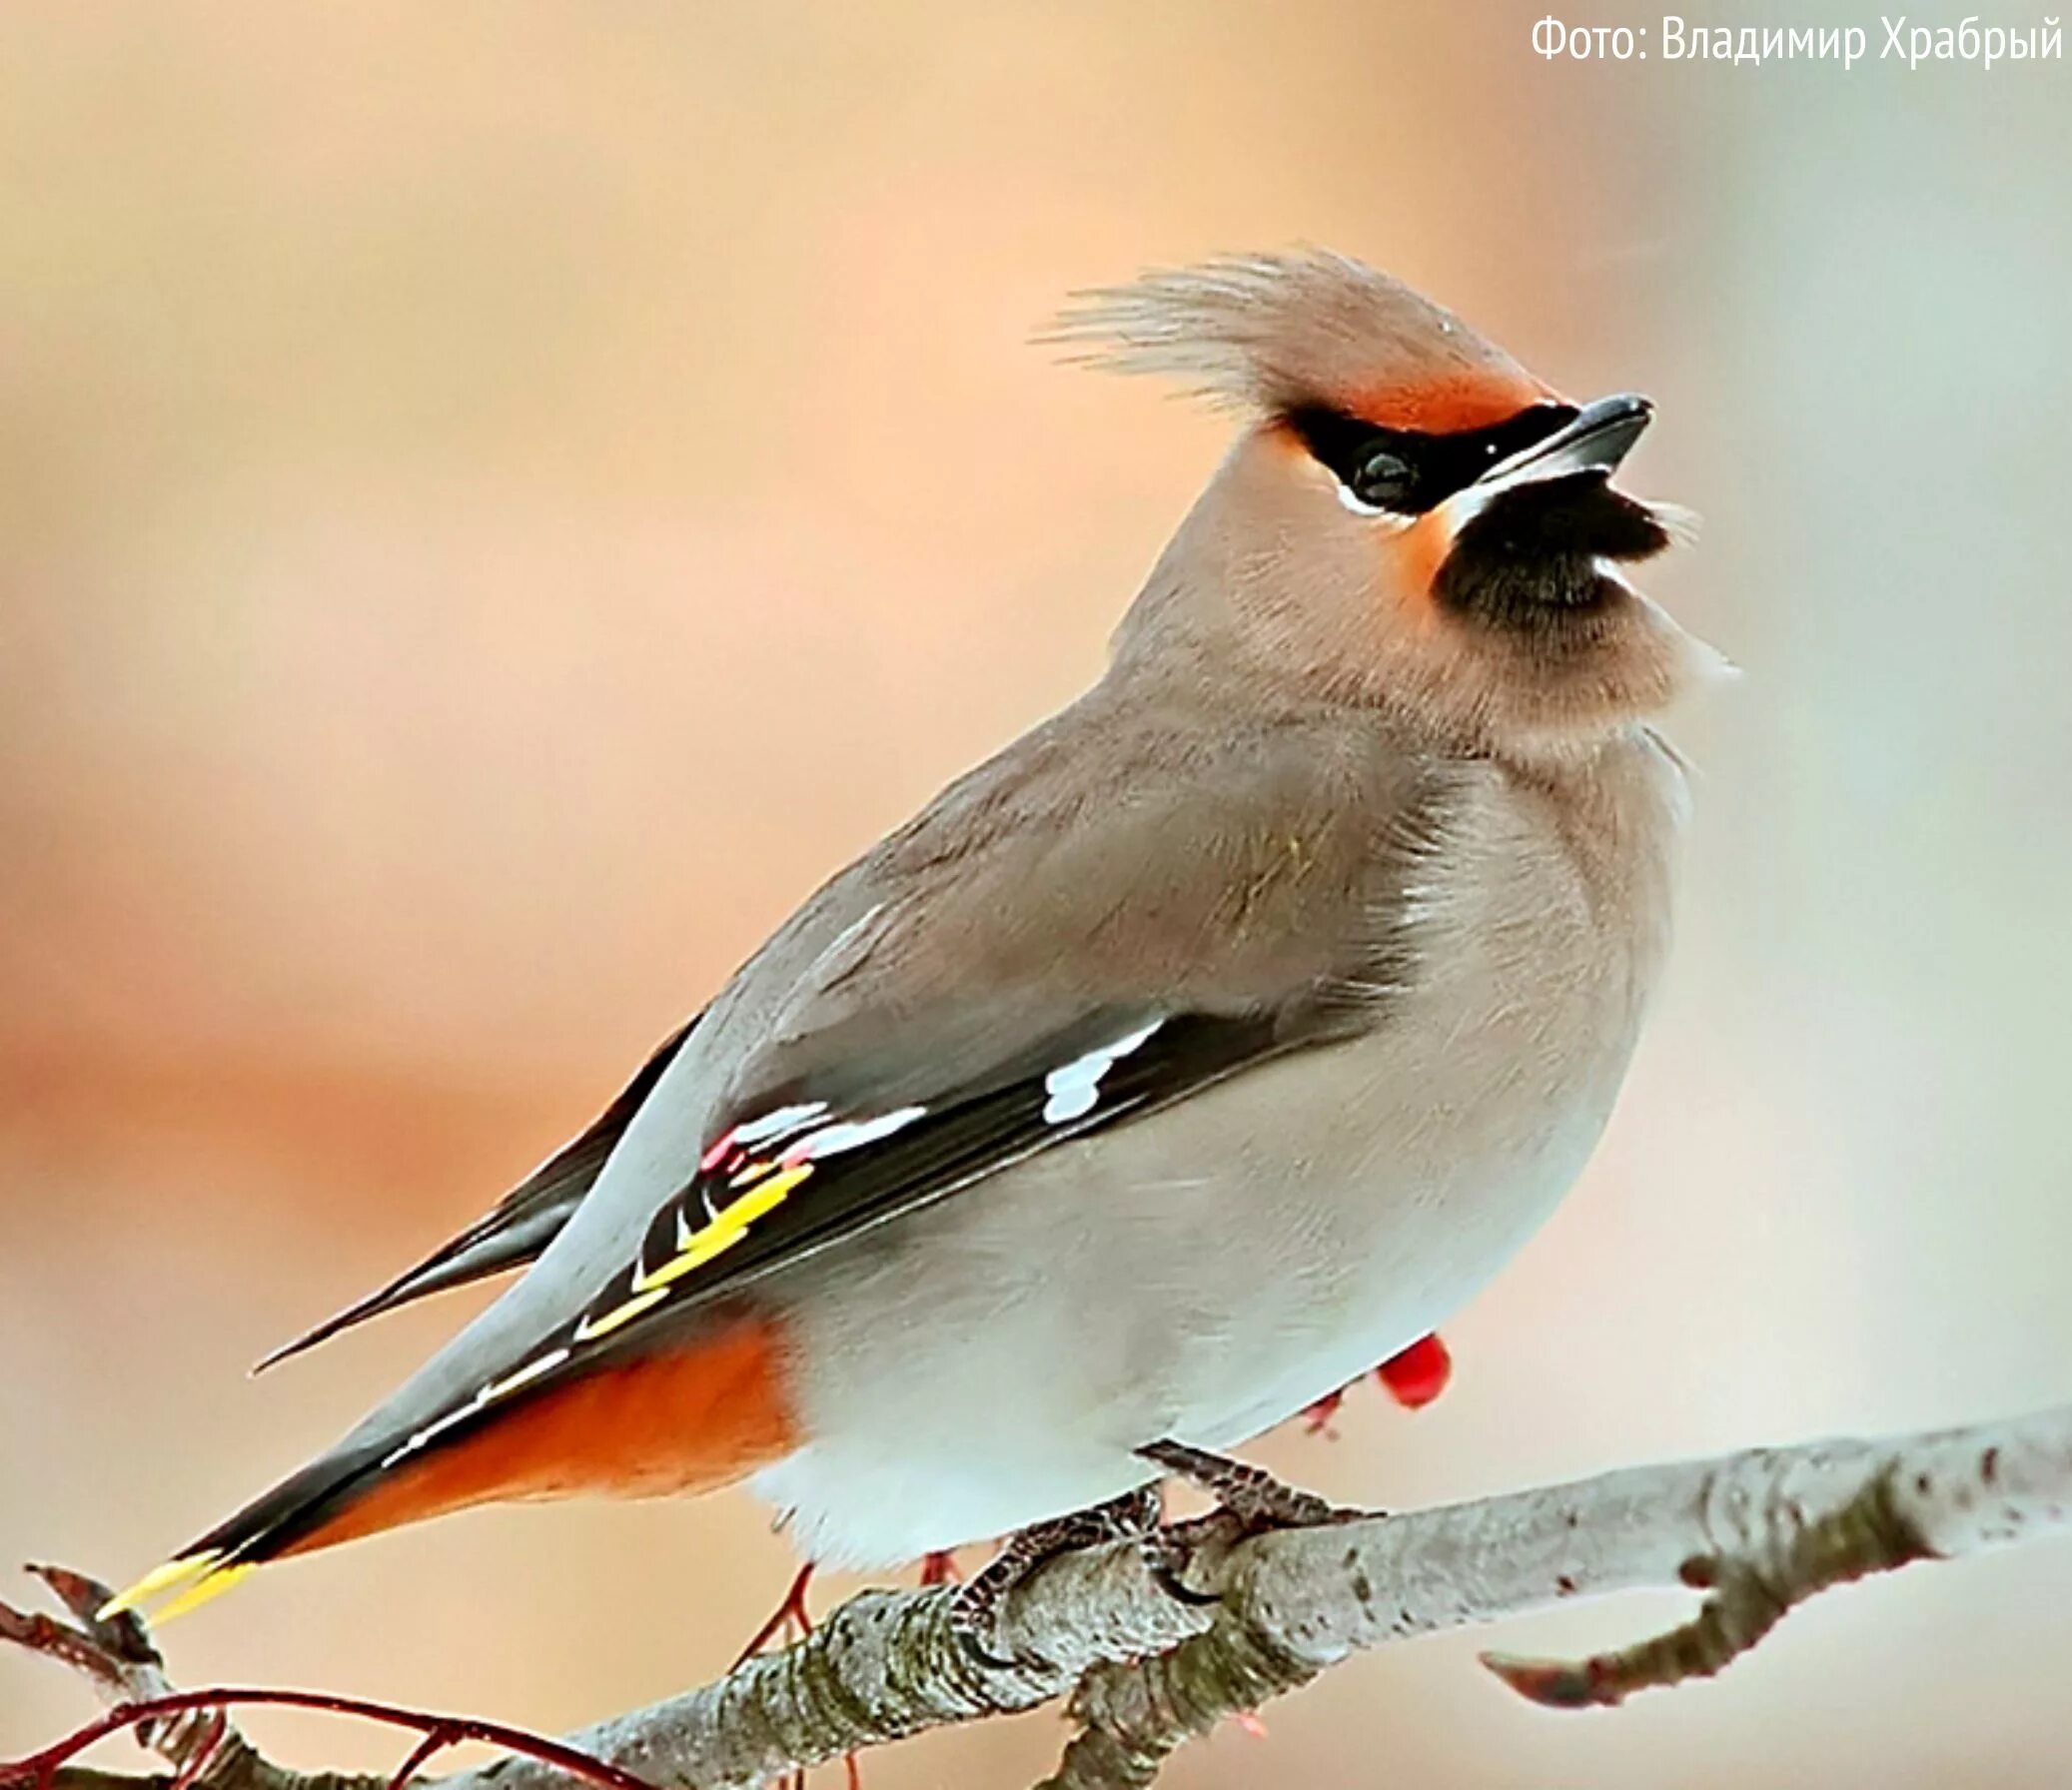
<point x="1208" y="1045"/>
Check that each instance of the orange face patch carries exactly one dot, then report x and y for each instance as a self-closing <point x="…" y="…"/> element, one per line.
<point x="689" y="1419"/>
<point x="1420" y="550"/>
<point x="1467" y="400"/>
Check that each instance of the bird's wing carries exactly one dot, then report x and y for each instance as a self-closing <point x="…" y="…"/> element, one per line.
<point x="1054" y="955"/>
<point x="798" y="1174"/>
<point x="1098" y="924"/>
<point x="518" y="1228"/>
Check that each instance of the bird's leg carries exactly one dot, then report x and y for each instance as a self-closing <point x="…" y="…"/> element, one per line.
<point x="1317" y="1418"/>
<point x="1248" y="1494"/>
<point x="975" y="1609"/>
<point x="789" y="1614"/>
<point x="940" y="1568"/>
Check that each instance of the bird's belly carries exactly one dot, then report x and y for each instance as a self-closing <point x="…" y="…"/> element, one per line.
<point x="1202" y="1274"/>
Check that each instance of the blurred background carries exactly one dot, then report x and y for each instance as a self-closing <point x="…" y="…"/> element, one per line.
<point x="498" y="499"/>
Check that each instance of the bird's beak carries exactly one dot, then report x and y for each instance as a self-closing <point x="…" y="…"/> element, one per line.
<point x="1601" y="435"/>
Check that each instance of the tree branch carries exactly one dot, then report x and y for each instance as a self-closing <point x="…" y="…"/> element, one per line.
<point x="1145" y="1668"/>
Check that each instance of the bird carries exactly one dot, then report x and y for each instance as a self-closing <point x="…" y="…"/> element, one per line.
<point x="1217" y="1039"/>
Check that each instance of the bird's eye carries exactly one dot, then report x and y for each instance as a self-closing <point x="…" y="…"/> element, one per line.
<point x="1384" y="480"/>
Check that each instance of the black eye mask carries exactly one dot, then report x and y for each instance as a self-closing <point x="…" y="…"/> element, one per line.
<point x="1406" y="470"/>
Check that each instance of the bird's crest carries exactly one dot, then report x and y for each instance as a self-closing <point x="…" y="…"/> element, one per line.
<point x="1273" y="332"/>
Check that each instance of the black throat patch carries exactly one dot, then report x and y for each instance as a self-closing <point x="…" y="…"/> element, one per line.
<point x="1534" y="556"/>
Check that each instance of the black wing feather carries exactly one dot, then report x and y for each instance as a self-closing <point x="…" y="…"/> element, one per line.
<point x="973" y="1130"/>
<point x="974" y="1133"/>
<point x="518" y="1228"/>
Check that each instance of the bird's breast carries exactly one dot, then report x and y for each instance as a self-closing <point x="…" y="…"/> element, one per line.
<point x="1210" y="1270"/>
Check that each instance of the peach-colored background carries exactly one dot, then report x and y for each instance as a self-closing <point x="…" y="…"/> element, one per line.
<point x="496" y="498"/>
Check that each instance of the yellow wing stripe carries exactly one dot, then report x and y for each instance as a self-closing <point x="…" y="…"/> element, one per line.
<point x="749" y="1207"/>
<point x="590" y="1329"/>
<point x="724" y="1231"/>
<point x="694" y="1253"/>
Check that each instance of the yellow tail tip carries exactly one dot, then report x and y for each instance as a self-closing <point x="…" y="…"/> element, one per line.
<point x="212" y="1583"/>
<point x="160" y="1578"/>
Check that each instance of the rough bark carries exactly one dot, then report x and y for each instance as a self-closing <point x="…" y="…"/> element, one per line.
<point x="1145" y="1669"/>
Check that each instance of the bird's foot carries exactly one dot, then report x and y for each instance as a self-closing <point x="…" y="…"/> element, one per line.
<point x="1249" y="1494"/>
<point x="1250" y="1501"/>
<point x="976" y="1606"/>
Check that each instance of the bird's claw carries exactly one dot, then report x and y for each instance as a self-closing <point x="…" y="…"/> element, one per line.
<point x="1249" y="1495"/>
<point x="977" y="1604"/>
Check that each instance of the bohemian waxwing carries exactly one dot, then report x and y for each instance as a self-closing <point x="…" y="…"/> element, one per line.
<point x="1215" y="1040"/>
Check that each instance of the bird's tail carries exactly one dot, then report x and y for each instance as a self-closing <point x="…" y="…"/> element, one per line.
<point x="686" y="1417"/>
<point x="263" y="1530"/>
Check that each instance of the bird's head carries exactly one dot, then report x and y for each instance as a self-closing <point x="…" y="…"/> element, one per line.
<point x="1411" y="517"/>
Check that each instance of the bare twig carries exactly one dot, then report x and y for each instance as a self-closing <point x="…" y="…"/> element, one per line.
<point x="214" y="1734"/>
<point x="191" y="1731"/>
<point x="1146" y="1668"/>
